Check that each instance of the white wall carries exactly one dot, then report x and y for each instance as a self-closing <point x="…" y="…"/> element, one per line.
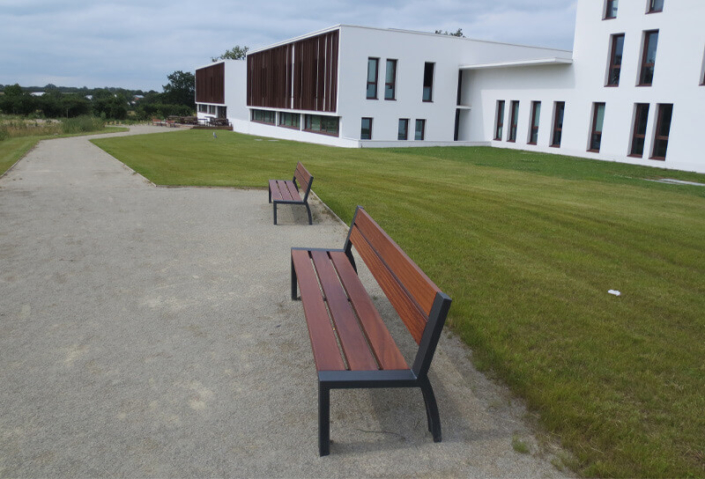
<point x="679" y="63"/>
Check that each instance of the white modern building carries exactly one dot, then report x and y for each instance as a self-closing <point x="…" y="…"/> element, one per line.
<point x="633" y="89"/>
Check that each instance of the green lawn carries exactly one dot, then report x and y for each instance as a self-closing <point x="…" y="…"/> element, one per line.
<point x="13" y="149"/>
<point x="527" y="245"/>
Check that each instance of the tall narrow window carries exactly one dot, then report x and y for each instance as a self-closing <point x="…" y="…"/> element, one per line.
<point x="390" y="81"/>
<point x="558" y="124"/>
<point x="513" y="120"/>
<point x="648" y="59"/>
<point x="535" y="118"/>
<point x="663" y="128"/>
<point x="366" y="130"/>
<point x="598" y="120"/>
<point x="403" y="129"/>
<point x="641" y="118"/>
<point x="428" y="81"/>
<point x="499" y="125"/>
<point x="420" y="130"/>
<point x="655" y="6"/>
<point x="611" y="9"/>
<point x="616" y="50"/>
<point x="372" y="67"/>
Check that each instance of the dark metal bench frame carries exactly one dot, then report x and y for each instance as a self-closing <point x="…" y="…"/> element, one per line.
<point x="416" y="376"/>
<point x="299" y="180"/>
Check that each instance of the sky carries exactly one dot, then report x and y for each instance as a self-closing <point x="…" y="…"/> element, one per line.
<point x="135" y="44"/>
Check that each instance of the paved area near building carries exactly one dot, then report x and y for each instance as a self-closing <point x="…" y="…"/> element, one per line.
<point x="149" y="332"/>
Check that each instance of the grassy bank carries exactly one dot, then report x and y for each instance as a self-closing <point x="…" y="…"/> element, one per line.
<point x="527" y="245"/>
<point x="19" y="136"/>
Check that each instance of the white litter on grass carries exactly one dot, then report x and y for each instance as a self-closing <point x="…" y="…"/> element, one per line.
<point x="614" y="292"/>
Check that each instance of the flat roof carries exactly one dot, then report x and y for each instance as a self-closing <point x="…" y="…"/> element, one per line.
<point x="520" y="63"/>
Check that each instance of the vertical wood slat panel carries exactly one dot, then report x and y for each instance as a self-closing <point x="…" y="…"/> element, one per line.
<point x="310" y="78"/>
<point x="210" y="84"/>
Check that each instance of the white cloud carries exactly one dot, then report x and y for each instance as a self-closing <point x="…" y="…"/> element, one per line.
<point x="137" y="43"/>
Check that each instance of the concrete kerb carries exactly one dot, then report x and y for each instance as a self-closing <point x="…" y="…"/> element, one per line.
<point x="150" y="332"/>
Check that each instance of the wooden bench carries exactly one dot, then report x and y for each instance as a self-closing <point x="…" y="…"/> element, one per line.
<point x="287" y="191"/>
<point x="352" y="347"/>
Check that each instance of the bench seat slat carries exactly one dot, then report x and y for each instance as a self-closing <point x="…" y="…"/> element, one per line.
<point x="325" y="348"/>
<point x="406" y="307"/>
<point x="291" y="187"/>
<point x="284" y="190"/>
<point x="274" y="189"/>
<point x="352" y="340"/>
<point x="385" y="349"/>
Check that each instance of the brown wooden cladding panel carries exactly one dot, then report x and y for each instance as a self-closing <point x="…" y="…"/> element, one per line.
<point x="210" y="84"/>
<point x="305" y="72"/>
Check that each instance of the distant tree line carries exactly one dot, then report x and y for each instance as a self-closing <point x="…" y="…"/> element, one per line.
<point x="106" y="103"/>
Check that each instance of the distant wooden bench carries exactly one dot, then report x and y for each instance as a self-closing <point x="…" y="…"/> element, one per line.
<point x="339" y="311"/>
<point x="287" y="191"/>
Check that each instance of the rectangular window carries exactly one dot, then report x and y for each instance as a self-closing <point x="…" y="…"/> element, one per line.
<point x="641" y="118"/>
<point x="535" y="118"/>
<point x="648" y="59"/>
<point x="598" y="120"/>
<point x="558" y="124"/>
<point x="390" y="81"/>
<point x="611" y="9"/>
<point x="663" y="128"/>
<point x="420" y="130"/>
<point x="428" y="81"/>
<point x="655" y="6"/>
<point x="264" y="116"/>
<point x="366" y="130"/>
<point x="290" y="120"/>
<point x="403" y="129"/>
<point x="327" y="125"/>
<point x="616" y="51"/>
<point x="211" y="109"/>
<point x="203" y="108"/>
<point x="499" y="125"/>
<point x="514" y="118"/>
<point x="372" y="67"/>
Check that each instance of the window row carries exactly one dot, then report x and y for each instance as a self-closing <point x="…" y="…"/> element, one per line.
<point x="637" y="143"/>
<point x="327" y="125"/>
<point x="390" y="80"/>
<point x="648" y="58"/>
<point x="611" y="7"/>
<point x="556" y="134"/>
<point x="664" y="113"/>
<point x="403" y="129"/>
<point x="209" y="109"/>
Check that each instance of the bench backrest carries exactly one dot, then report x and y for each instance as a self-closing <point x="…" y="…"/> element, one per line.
<point x="303" y="179"/>
<point x="421" y="305"/>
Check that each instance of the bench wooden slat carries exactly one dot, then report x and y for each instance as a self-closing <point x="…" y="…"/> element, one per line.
<point x="286" y="194"/>
<point x="274" y="189"/>
<point x="385" y="349"/>
<point x="407" y="308"/>
<point x="302" y="176"/>
<point x="420" y="287"/>
<point x="293" y="192"/>
<point x="323" y="341"/>
<point x="352" y="340"/>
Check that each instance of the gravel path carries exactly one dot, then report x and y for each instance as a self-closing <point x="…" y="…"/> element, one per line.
<point x="148" y="332"/>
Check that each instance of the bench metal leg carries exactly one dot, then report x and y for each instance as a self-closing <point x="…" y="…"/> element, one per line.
<point x="323" y="420"/>
<point x="270" y="194"/>
<point x="275" y="212"/>
<point x="434" y="420"/>
<point x="294" y="292"/>
<point x="310" y="221"/>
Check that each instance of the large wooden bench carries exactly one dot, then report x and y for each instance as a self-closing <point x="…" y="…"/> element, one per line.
<point x="352" y="347"/>
<point x="287" y="191"/>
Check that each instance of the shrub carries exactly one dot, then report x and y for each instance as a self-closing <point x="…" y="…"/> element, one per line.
<point x="82" y="124"/>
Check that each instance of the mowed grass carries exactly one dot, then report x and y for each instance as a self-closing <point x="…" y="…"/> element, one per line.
<point x="527" y="245"/>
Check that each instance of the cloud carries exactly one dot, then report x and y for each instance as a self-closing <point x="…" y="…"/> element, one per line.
<point x="137" y="43"/>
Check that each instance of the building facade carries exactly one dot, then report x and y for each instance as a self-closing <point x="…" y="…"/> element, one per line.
<point x="633" y="89"/>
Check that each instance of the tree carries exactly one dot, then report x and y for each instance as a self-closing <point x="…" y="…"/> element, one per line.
<point x="236" y="53"/>
<point x="458" y="33"/>
<point x="181" y="89"/>
<point x="14" y="90"/>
